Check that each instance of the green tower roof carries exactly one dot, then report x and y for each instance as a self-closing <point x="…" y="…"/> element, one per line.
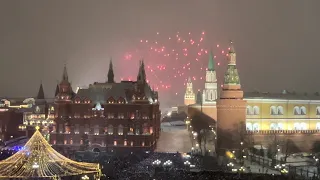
<point x="211" y="62"/>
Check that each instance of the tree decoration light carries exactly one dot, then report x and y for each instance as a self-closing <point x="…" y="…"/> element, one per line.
<point x="39" y="160"/>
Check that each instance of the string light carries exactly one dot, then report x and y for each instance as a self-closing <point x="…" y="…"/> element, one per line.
<point x="38" y="159"/>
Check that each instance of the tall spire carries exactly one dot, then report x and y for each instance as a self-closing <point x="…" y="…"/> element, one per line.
<point x="65" y="74"/>
<point x="142" y="73"/>
<point x="110" y="72"/>
<point x="57" y="91"/>
<point x="40" y="92"/>
<point x="211" y="62"/>
<point x="232" y="77"/>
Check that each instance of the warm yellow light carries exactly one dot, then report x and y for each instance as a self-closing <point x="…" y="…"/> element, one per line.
<point x="37" y="128"/>
<point x="38" y="159"/>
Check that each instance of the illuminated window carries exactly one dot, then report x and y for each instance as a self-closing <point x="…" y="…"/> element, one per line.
<point x="249" y="127"/>
<point x="273" y="110"/>
<point x="114" y="143"/>
<point x="303" y="110"/>
<point x="142" y="143"/>
<point x="300" y="126"/>
<point x="280" y="110"/>
<point x="125" y="143"/>
<point x="120" y="130"/>
<point x="249" y="110"/>
<point x="131" y="143"/>
<point x="318" y="110"/>
<point x="256" y="127"/>
<point x="110" y="129"/>
<point x="296" y="110"/>
<point x="151" y="130"/>
<point x="256" y="110"/>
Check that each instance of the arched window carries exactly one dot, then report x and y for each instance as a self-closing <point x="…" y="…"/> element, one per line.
<point x="110" y="129"/>
<point x="120" y="130"/>
<point x="303" y="126"/>
<point x="249" y="127"/>
<point x="256" y="110"/>
<point x="273" y="126"/>
<point x="273" y="110"/>
<point x="256" y="127"/>
<point x="121" y="100"/>
<point x="300" y="126"/>
<point x="145" y="129"/>
<point x="37" y="109"/>
<point x="249" y="110"/>
<point x="137" y="129"/>
<point x="296" y="110"/>
<point x="110" y="100"/>
<point x="303" y="110"/>
<point x="318" y="110"/>
<point x="96" y="130"/>
<point x="280" y="126"/>
<point x="280" y="110"/>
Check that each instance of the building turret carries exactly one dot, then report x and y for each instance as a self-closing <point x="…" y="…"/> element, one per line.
<point x="110" y="73"/>
<point x="210" y="92"/>
<point x="189" y="96"/>
<point x="65" y="90"/>
<point x="142" y="73"/>
<point x="141" y="85"/>
<point x="40" y="92"/>
<point x="231" y="86"/>
<point x="57" y="90"/>
<point x="231" y="109"/>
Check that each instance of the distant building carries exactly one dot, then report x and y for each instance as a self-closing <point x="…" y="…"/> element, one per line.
<point x="189" y="97"/>
<point x="10" y="119"/>
<point x="107" y="115"/>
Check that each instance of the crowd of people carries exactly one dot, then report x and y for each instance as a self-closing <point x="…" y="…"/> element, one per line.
<point x="4" y="153"/>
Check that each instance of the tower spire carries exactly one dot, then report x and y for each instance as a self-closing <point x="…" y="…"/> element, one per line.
<point x="211" y="62"/>
<point x="231" y="77"/>
<point x="189" y="96"/>
<point x="110" y="72"/>
<point x="40" y="92"/>
<point x="142" y="73"/>
<point x="57" y="90"/>
<point x="65" y="74"/>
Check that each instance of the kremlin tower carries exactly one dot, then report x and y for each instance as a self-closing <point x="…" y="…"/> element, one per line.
<point x="210" y="94"/>
<point x="231" y="108"/>
<point x="189" y="96"/>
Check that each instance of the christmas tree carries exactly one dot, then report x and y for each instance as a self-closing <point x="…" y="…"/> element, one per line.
<point x="38" y="159"/>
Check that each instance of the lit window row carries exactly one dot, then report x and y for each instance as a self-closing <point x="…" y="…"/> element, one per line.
<point x="279" y="110"/>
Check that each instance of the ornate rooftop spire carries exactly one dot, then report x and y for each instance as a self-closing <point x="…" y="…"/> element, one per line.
<point x="142" y="72"/>
<point x="110" y="72"/>
<point x="40" y="92"/>
<point x="65" y="74"/>
<point x="232" y="77"/>
<point x="57" y="90"/>
<point x="211" y="62"/>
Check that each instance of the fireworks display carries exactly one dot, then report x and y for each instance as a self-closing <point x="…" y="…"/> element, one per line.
<point x="171" y="60"/>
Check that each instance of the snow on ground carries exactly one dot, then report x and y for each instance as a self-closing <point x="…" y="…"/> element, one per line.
<point x="173" y="139"/>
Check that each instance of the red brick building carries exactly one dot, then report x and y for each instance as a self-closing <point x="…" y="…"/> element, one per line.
<point x="10" y="119"/>
<point x="108" y="115"/>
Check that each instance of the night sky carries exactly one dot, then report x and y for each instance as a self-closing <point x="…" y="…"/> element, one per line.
<point x="277" y="43"/>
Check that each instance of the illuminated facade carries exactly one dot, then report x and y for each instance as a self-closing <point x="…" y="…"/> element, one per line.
<point x="189" y="97"/>
<point x="282" y="111"/>
<point x="108" y="115"/>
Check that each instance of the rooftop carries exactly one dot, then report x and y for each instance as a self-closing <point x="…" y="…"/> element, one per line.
<point x="285" y="95"/>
